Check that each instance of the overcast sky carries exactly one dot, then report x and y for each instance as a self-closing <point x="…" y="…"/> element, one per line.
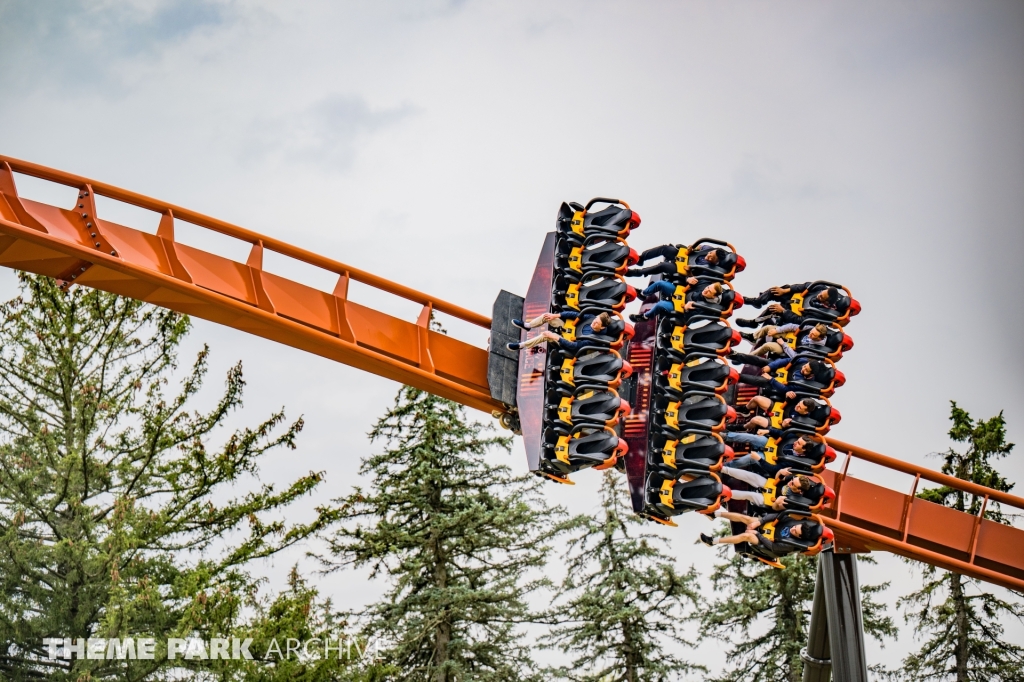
<point x="877" y="144"/>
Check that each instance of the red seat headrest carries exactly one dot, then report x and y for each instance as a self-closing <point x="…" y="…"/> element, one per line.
<point x="840" y="378"/>
<point x="827" y="535"/>
<point x="830" y="454"/>
<point x="726" y="493"/>
<point x="627" y="369"/>
<point x="622" y="448"/>
<point x="634" y="220"/>
<point x="829" y="494"/>
<point x="729" y="455"/>
<point x="847" y="342"/>
<point x="741" y="263"/>
<point x="628" y="331"/>
<point x="624" y="407"/>
<point x="738" y="299"/>
<point x="630" y="293"/>
<point x="835" y="416"/>
<point x="854" y="307"/>
<point x="736" y="338"/>
<point x="730" y="414"/>
<point x="734" y="376"/>
<point x="633" y="256"/>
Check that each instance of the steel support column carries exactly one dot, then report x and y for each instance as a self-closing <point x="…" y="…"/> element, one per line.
<point x="836" y="637"/>
<point x="817" y="656"/>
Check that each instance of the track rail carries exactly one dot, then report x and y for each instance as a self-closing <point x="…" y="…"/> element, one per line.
<point x="77" y="246"/>
<point x="866" y="516"/>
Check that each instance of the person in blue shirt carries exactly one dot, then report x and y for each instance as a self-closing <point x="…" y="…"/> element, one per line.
<point x="589" y="325"/>
<point x="701" y="292"/>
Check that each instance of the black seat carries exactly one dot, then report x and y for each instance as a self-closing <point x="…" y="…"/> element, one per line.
<point x="582" y="447"/>
<point x="577" y="222"/>
<point x="724" y="271"/>
<point x="613" y="221"/>
<point x="609" y="255"/>
<point x="565" y="224"/>
<point x="701" y="336"/>
<point x="698" y="494"/>
<point x="701" y="411"/>
<point x="593" y="367"/>
<point x="698" y="450"/>
<point x="593" y="406"/>
<point x="599" y="290"/>
<point x="708" y="374"/>
<point x="688" y="490"/>
<point x="596" y="254"/>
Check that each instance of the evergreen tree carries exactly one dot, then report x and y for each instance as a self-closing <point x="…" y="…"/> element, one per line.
<point x="765" y="613"/>
<point x="958" y="619"/>
<point x="116" y="514"/>
<point x="297" y="635"/>
<point x="625" y="601"/>
<point x="457" y="537"/>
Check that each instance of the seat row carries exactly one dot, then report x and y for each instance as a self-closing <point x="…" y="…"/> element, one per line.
<point x="685" y="450"/>
<point x="582" y="405"/>
<point x="795" y="408"/>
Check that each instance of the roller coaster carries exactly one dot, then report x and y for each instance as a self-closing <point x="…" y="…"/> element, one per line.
<point x="654" y="398"/>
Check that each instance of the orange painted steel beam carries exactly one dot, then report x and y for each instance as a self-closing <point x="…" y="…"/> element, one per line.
<point x="77" y="245"/>
<point x="866" y="516"/>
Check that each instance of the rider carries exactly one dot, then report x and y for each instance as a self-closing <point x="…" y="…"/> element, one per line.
<point x="774" y="390"/>
<point x="786" y="483"/>
<point x="807" y="530"/>
<point x="675" y="256"/>
<point x="826" y="298"/>
<point x="701" y="292"/>
<point x="594" y="324"/>
<point x="758" y="442"/>
<point x="816" y="338"/>
<point x="815" y="410"/>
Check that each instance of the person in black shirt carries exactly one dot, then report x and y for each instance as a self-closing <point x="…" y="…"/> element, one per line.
<point x="675" y="256"/>
<point x="787" y="483"/>
<point x="826" y="298"/>
<point x="773" y="390"/>
<point x="813" y="410"/>
<point x="821" y="296"/>
<point x="808" y="531"/>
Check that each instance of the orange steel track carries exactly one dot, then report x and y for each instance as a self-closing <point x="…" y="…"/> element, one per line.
<point x="77" y="246"/>
<point x="866" y="516"/>
<point x="75" y="242"/>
